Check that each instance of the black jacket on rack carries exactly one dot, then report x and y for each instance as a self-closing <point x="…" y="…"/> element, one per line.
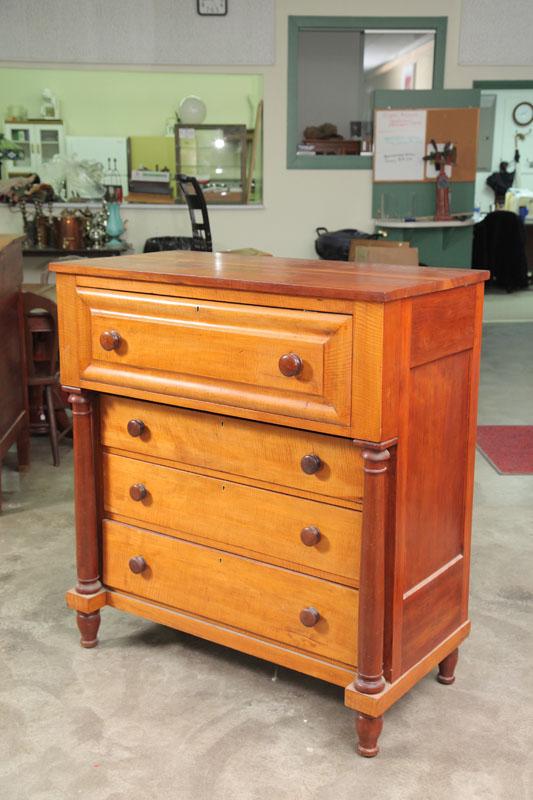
<point x="499" y="245"/>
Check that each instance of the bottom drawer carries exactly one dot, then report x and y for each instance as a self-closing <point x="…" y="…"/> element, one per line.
<point x="259" y="598"/>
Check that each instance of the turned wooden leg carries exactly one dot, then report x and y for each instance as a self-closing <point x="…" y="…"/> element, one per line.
<point x="447" y="667"/>
<point x="23" y="449"/>
<point x="368" y="730"/>
<point x="87" y="547"/>
<point x="88" y="625"/>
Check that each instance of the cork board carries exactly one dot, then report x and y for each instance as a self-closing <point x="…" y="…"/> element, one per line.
<point x="403" y="137"/>
<point x="460" y="126"/>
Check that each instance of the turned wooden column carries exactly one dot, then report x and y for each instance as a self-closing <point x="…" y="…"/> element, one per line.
<point x="370" y="678"/>
<point x="87" y="555"/>
<point x="372" y="574"/>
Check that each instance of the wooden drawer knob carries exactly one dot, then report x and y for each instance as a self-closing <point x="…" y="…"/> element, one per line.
<point x="309" y="616"/>
<point x="110" y="340"/>
<point x="310" y="535"/>
<point x="136" y="427"/>
<point x="290" y="365"/>
<point x="137" y="564"/>
<point x="310" y="464"/>
<point x="138" y="491"/>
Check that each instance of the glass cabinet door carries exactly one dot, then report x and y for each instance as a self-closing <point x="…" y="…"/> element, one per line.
<point x="216" y="156"/>
<point x="22" y="137"/>
<point x="49" y="144"/>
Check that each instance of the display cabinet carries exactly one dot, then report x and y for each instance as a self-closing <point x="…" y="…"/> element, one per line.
<point x="39" y="140"/>
<point x="216" y="156"/>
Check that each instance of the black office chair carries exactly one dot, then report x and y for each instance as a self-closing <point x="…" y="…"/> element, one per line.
<point x="499" y="245"/>
<point x="194" y="197"/>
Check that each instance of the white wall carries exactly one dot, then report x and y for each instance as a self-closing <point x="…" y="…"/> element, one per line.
<point x="503" y="146"/>
<point x="297" y="201"/>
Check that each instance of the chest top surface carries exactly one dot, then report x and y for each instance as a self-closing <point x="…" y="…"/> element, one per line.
<point x="299" y="277"/>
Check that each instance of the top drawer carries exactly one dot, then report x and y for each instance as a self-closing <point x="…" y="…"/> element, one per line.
<point x="223" y="353"/>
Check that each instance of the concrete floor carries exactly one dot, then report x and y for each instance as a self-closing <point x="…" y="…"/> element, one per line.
<point x="153" y="713"/>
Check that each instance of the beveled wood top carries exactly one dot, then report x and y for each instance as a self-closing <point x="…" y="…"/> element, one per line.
<point x="339" y="280"/>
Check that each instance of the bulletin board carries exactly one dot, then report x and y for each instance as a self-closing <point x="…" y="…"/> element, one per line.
<point x="402" y="137"/>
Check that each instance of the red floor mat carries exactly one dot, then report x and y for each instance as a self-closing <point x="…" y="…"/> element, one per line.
<point x="509" y="448"/>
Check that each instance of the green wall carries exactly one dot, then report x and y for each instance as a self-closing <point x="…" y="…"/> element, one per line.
<point x="114" y="103"/>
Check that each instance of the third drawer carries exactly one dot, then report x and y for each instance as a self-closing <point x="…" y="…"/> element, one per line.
<point x="270" y="526"/>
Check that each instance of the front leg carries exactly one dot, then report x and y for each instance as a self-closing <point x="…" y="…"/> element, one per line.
<point x="87" y="547"/>
<point x="447" y="667"/>
<point x="368" y="730"/>
<point x="88" y="625"/>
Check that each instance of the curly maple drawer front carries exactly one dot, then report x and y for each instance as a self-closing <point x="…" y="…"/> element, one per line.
<point x="279" y="361"/>
<point x="255" y="450"/>
<point x="265" y="524"/>
<point x="283" y="606"/>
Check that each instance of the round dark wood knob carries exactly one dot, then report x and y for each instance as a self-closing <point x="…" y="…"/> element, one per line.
<point x="110" y="340"/>
<point x="309" y="616"/>
<point x="136" y="427"/>
<point x="310" y="464"/>
<point x="137" y="564"/>
<point x="310" y="535"/>
<point x="138" y="491"/>
<point x="290" y="365"/>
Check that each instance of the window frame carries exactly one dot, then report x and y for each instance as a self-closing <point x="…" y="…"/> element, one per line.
<point x="297" y="24"/>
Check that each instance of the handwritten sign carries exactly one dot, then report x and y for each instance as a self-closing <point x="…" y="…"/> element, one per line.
<point x="399" y="144"/>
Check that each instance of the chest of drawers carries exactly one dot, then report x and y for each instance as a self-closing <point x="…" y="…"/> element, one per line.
<point x="277" y="455"/>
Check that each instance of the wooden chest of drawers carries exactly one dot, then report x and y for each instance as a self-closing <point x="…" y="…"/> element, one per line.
<point x="277" y="455"/>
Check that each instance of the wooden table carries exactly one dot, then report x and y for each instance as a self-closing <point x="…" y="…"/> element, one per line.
<point x="277" y="455"/>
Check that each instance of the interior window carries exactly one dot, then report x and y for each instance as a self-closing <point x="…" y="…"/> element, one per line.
<point x="333" y="73"/>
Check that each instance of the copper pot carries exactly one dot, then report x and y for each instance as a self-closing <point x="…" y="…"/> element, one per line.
<point x="71" y="231"/>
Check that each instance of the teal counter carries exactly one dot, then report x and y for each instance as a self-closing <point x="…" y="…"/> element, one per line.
<point x="440" y="244"/>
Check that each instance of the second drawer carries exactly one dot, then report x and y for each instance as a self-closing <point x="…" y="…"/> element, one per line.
<point x="266" y="525"/>
<point x="256" y="450"/>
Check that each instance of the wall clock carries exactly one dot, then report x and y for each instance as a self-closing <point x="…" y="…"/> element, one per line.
<point x="212" y="8"/>
<point x="523" y="113"/>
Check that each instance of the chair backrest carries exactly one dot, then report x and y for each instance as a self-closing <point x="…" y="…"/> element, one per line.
<point x="398" y="256"/>
<point x="194" y="197"/>
<point x="35" y="305"/>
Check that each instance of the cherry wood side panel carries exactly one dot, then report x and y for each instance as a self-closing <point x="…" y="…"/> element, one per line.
<point x="230" y="515"/>
<point x="436" y="465"/>
<point x="435" y="472"/>
<point x="268" y="453"/>
<point x="226" y="353"/>
<point x="231" y="590"/>
<point x="432" y="613"/>
<point x="443" y="323"/>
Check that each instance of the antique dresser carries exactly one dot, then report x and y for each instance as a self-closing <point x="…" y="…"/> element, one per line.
<point x="277" y="455"/>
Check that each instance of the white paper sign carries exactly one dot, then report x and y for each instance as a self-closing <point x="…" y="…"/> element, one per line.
<point x="399" y="144"/>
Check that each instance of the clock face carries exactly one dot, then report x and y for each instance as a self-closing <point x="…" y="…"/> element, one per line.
<point x="523" y="113"/>
<point x="212" y="8"/>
